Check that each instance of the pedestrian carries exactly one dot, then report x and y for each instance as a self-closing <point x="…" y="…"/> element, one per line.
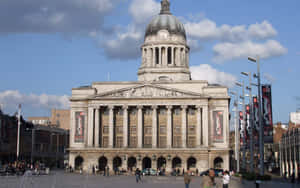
<point x="107" y="171"/>
<point x="209" y="180"/>
<point x="187" y="179"/>
<point x="293" y="177"/>
<point x="226" y="179"/>
<point x="137" y="175"/>
<point x="197" y="171"/>
<point x="299" y="175"/>
<point x="104" y="171"/>
<point x="93" y="169"/>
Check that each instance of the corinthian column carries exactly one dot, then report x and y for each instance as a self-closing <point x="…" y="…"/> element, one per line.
<point x="169" y="127"/>
<point x="111" y="127"/>
<point x="184" y="125"/>
<point x="140" y="126"/>
<point x="198" y="127"/>
<point x="125" y="126"/>
<point x="205" y="125"/>
<point x="90" y="126"/>
<point x="97" y="124"/>
<point x="154" y="126"/>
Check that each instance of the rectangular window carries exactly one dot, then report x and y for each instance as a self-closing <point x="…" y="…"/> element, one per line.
<point x="119" y="130"/>
<point x="162" y="111"/>
<point x="148" y="142"/>
<point x="177" y="142"/>
<point x="162" y="141"/>
<point x="191" y="111"/>
<point x="133" y="112"/>
<point x="105" y="141"/>
<point x="119" y="142"/>
<point x="105" y="129"/>
<point x="106" y="112"/>
<point x="177" y="129"/>
<point x="133" y="130"/>
<point x="162" y="129"/>
<point x="132" y="142"/>
<point x="177" y="111"/>
<point x="148" y="130"/>
<point x="191" y="142"/>
<point x="120" y="112"/>
<point x="192" y="129"/>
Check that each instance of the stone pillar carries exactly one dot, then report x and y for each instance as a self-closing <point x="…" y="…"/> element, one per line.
<point x="124" y="161"/>
<point x="169" y="127"/>
<point x="154" y="57"/>
<point x="154" y="163"/>
<point x="172" y="56"/>
<point x="140" y="127"/>
<point x="198" y="127"/>
<point x="90" y="126"/>
<point x="184" y="125"/>
<point x="111" y="127"/>
<point x="206" y="133"/>
<point x="154" y="126"/>
<point x="168" y="165"/>
<point x="72" y="129"/>
<point x="159" y="57"/>
<point x="125" y="126"/>
<point x="97" y="125"/>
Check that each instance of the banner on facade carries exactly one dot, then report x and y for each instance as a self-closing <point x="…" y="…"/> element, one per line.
<point x="267" y="113"/>
<point x="79" y="127"/>
<point x="255" y="129"/>
<point x="218" y="126"/>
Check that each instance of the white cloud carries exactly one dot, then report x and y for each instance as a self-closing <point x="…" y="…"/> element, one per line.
<point x="141" y="11"/>
<point x="10" y="99"/>
<point x="230" y="51"/>
<point x="213" y="76"/>
<point x="208" y="30"/>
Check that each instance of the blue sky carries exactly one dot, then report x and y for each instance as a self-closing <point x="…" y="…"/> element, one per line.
<point x="49" y="47"/>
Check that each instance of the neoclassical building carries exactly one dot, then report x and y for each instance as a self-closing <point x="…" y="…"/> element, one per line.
<point x="163" y="120"/>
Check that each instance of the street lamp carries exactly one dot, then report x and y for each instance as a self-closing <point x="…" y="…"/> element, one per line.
<point x="236" y="132"/>
<point x="249" y="88"/>
<point x="261" y="127"/>
<point x="243" y="122"/>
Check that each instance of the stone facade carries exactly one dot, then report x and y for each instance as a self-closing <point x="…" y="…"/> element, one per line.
<point x="164" y="120"/>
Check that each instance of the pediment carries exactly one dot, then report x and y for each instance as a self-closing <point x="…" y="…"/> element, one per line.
<point x="147" y="91"/>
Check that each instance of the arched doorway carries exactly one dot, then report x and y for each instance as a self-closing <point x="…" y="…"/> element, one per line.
<point x="78" y="162"/>
<point x="161" y="162"/>
<point x="218" y="163"/>
<point x="176" y="162"/>
<point x="131" y="162"/>
<point x="146" y="162"/>
<point x="102" y="163"/>
<point x="117" y="163"/>
<point x="191" y="163"/>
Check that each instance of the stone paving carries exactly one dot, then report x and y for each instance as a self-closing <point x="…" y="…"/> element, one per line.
<point x="66" y="180"/>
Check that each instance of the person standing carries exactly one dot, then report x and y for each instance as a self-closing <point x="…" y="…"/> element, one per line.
<point x="209" y="181"/>
<point x="226" y="179"/>
<point x="187" y="179"/>
<point x="137" y="175"/>
<point x="107" y="171"/>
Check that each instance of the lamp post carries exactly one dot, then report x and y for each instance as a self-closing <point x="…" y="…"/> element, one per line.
<point x="261" y="127"/>
<point x="243" y="122"/>
<point x="236" y="132"/>
<point x="249" y="88"/>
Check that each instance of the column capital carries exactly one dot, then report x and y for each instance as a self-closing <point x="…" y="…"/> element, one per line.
<point x="125" y="107"/>
<point x="184" y="107"/>
<point x="111" y="107"/>
<point x="154" y="106"/>
<point x="198" y="107"/>
<point x="169" y="107"/>
<point x="139" y="107"/>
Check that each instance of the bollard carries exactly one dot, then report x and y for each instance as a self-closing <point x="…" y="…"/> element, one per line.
<point x="257" y="182"/>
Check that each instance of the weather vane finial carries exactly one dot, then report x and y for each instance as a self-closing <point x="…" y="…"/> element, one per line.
<point x="165" y="7"/>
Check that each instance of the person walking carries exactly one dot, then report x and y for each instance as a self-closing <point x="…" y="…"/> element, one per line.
<point x="209" y="181"/>
<point x="137" y="175"/>
<point x="187" y="179"/>
<point x="226" y="179"/>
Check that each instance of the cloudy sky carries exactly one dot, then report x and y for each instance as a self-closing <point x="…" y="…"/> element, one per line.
<point x="48" y="47"/>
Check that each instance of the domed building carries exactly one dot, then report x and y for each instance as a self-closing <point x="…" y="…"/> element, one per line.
<point x="163" y="121"/>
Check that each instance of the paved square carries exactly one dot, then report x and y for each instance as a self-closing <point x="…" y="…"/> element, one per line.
<point x="60" y="179"/>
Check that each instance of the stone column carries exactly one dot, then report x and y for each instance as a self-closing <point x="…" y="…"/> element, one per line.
<point x="125" y="126"/>
<point x="97" y="125"/>
<point x="198" y="127"/>
<point x="154" y="126"/>
<point x="90" y="126"/>
<point x="72" y="128"/>
<point x="159" y="57"/>
<point x="154" y="163"/>
<point x="206" y="133"/>
<point x="111" y="127"/>
<point x="154" y="56"/>
<point x="168" y="165"/>
<point x="140" y="126"/>
<point x="172" y="56"/>
<point x="169" y="127"/>
<point x="184" y="125"/>
<point x="124" y="162"/>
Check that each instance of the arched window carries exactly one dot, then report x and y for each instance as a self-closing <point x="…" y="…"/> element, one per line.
<point x="169" y="55"/>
